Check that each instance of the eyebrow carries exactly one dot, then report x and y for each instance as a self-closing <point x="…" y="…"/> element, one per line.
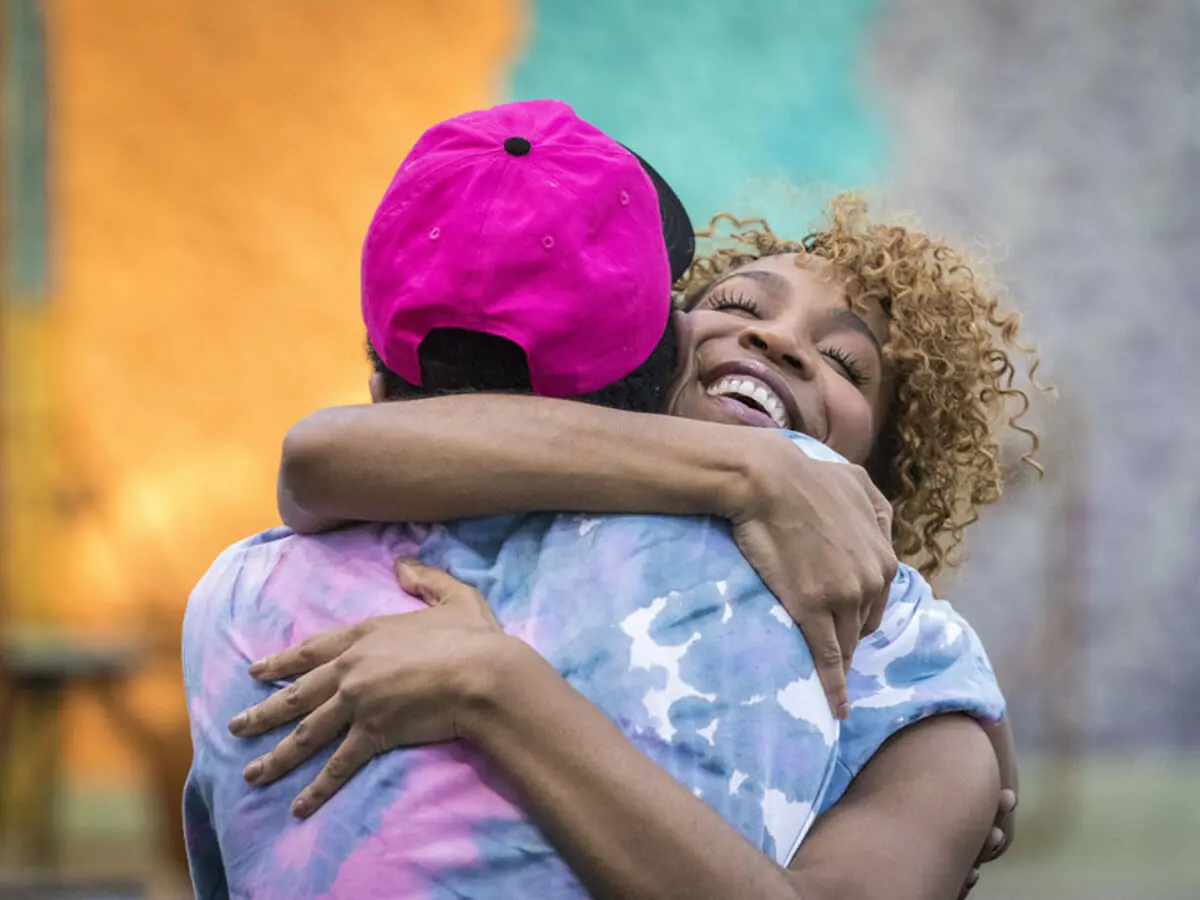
<point x="849" y="320"/>
<point x="775" y="284"/>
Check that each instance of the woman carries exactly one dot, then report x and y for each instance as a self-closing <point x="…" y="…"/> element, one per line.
<point x="875" y="340"/>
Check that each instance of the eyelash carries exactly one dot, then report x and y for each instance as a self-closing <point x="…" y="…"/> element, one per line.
<point x="736" y="301"/>
<point x="849" y="365"/>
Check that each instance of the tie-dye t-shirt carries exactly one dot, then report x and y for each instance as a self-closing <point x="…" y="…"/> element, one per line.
<point x="657" y="620"/>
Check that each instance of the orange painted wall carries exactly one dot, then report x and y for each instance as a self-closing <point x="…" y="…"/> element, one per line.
<point x="214" y="165"/>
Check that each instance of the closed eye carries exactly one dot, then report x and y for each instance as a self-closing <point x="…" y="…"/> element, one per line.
<point x="851" y="369"/>
<point x="731" y="300"/>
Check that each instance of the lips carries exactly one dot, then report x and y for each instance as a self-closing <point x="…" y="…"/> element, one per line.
<point x="760" y="387"/>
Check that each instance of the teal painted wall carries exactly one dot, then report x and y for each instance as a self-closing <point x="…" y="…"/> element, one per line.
<point x="726" y="103"/>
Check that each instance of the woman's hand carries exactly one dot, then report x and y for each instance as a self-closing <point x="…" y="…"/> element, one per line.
<point x="819" y="534"/>
<point x="388" y="682"/>
<point x="998" y="839"/>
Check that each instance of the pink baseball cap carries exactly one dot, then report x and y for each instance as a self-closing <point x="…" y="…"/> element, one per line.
<point x="525" y="222"/>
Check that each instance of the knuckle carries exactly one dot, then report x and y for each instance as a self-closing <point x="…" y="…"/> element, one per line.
<point x="830" y="654"/>
<point x="302" y="736"/>
<point x="305" y="655"/>
<point x="874" y="587"/>
<point x="270" y="765"/>
<point x="846" y="596"/>
<point x="292" y="696"/>
<point x="345" y="664"/>
<point x="349" y="693"/>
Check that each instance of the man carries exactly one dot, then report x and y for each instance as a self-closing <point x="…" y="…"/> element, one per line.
<point x="518" y="249"/>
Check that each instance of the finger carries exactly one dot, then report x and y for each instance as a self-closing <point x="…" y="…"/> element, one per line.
<point x="1008" y="803"/>
<point x="315" y="732"/>
<point x="437" y="587"/>
<point x="883" y="517"/>
<point x="305" y="656"/>
<point x="434" y="586"/>
<point x="874" y="620"/>
<point x="848" y="630"/>
<point x="354" y="753"/>
<point x="881" y="505"/>
<point x="972" y="880"/>
<point x="993" y="846"/>
<point x="822" y="639"/>
<point x="300" y="697"/>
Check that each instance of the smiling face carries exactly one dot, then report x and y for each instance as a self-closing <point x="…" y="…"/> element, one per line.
<point x="777" y="344"/>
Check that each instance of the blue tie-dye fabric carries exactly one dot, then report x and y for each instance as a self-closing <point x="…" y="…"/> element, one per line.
<point x="657" y="620"/>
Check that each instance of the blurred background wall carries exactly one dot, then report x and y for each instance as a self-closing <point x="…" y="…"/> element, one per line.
<point x="186" y="185"/>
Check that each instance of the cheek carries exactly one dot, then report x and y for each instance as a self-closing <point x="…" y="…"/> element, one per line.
<point x="851" y="419"/>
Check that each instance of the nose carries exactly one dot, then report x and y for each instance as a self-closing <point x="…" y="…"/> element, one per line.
<point x="780" y="346"/>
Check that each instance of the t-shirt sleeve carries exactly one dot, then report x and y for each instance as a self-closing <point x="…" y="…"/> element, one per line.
<point x="924" y="660"/>
<point x="203" y="849"/>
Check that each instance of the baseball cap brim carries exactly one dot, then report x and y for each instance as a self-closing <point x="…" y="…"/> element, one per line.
<point x="677" y="226"/>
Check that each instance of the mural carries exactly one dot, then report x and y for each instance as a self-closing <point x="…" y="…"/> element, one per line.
<point x="762" y="114"/>
<point x="186" y="186"/>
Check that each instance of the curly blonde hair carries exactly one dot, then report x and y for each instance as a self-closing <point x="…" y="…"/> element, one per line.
<point x="951" y="347"/>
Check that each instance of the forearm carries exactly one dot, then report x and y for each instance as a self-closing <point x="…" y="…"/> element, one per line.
<point x="452" y="457"/>
<point x="627" y="828"/>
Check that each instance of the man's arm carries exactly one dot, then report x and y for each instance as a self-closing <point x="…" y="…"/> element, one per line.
<point x="911" y="823"/>
<point x="437" y="459"/>
<point x="907" y="829"/>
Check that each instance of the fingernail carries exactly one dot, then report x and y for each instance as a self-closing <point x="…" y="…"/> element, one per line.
<point x="973" y="879"/>
<point x="237" y="723"/>
<point x="300" y="808"/>
<point x="259" y="667"/>
<point x="253" y="771"/>
<point x="843" y="710"/>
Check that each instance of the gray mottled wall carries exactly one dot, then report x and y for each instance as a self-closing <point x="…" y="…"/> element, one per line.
<point x="1066" y="135"/>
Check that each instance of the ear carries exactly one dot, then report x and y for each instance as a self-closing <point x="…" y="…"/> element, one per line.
<point x="685" y="358"/>
<point x="378" y="390"/>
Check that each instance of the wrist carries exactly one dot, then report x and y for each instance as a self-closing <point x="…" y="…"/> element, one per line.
<point x="496" y="669"/>
<point x="750" y="485"/>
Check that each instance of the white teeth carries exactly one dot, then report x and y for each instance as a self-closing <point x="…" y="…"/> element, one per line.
<point x="755" y="390"/>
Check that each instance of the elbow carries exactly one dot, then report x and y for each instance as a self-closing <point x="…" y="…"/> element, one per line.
<point x="307" y="448"/>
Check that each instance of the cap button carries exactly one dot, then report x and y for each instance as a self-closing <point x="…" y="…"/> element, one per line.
<point x="517" y="146"/>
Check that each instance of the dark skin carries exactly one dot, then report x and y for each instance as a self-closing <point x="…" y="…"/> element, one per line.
<point x="834" y="380"/>
<point x="895" y="833"/>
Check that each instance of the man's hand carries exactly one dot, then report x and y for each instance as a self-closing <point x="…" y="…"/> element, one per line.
<point x="819" y="534"/>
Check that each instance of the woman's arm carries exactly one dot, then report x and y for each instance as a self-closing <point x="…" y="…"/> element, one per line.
<point x="818" y="533"/>
<point x="908" y="828"/>
<point x="911" y="822"/>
